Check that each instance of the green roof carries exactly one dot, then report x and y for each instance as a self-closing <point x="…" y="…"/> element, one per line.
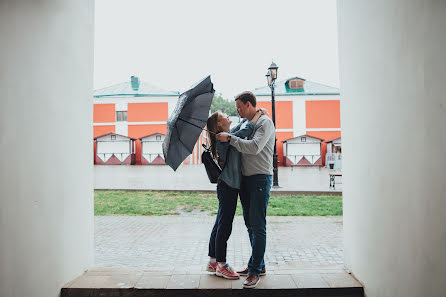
<point x="140" y="89"/>
<point x="310" y="88"/>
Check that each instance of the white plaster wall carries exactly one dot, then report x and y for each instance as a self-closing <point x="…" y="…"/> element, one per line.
<point x="304" y="149"/>
<point x="153" y="147"/>
<point x="122" y="128"/>
<point x="299" y="117"/>
<point x="116" y="147"/>
<point x="46" y="199"/>
<point x="393" y="72"/>
<point x="121" y="106"/>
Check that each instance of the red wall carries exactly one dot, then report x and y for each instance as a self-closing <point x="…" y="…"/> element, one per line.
<point x="284" y="113"/>
<point x="101" y="130"/>
<point x="323" y="114"/>
<point x="104" y="113"/>
<point x="147" y="112"/>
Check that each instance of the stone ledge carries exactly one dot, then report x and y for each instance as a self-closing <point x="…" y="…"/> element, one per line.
<point x="339" y="292"/>
<point x="130" y="282"/>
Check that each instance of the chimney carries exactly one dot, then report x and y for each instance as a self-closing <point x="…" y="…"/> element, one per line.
<point x="135" y="83"/>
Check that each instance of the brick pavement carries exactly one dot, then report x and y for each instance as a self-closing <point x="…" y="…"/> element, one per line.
<point x="176" y="241"/>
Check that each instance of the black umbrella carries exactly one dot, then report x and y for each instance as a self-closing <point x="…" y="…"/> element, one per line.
<point x="187" y="121"/>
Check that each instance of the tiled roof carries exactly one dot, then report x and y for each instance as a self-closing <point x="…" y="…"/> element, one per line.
<point x="310" y="88"/>
<point x="125" y="89"/>
<point x="151" y="134"/>
<point x="112" y="133"/>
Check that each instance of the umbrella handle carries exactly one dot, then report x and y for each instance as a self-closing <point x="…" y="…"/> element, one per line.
<point x="196" y="126"/>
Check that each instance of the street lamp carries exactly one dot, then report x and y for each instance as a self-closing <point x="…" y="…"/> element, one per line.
<point x="271" y="76"/>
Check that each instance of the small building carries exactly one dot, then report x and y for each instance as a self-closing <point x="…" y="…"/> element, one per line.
<point x="302" y="107"/>
<point x="333" y="158"/>
<point x="114" y="149"/>
<point x="152" y="149"/>
<point x="304" y="150"/>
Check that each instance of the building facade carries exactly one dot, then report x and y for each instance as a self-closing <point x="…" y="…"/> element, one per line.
<point x="139" y="110"/>
<point x="303" y="108"/>
<point x="134" y="109"/>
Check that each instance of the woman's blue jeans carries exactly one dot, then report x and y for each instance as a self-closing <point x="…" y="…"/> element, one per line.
<point x="227" y="204"/>
<point x="254" y="196"/>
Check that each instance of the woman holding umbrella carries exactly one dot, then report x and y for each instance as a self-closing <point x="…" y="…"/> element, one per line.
<point x="228" y="187"/>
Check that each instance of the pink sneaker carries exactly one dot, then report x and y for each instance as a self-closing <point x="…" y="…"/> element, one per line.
<point x="226" y="272"/>
<point x="211" y="267"/>
<point x="244" y="272"/>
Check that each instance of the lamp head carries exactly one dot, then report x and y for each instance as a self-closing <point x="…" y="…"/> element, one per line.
<point x="273" y="69"/>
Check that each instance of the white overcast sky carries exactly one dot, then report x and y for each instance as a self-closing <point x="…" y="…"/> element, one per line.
<point x="174" y="43"/>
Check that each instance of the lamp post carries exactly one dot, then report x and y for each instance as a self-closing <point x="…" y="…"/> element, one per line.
<point x="271" y="76"/>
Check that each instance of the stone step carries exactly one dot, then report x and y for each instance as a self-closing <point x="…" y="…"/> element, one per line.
<point x="123" y="282"/>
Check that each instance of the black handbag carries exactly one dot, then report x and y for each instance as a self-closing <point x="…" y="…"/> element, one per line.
<point x="212" y="168"/>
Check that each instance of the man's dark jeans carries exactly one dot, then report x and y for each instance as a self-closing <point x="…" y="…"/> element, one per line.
<point x="254" y="195"/>
<point x="227" y="203"/>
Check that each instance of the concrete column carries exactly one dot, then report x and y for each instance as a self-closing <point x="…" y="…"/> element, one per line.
<point x="46" y="174"/>
<point x="393" y="109"/>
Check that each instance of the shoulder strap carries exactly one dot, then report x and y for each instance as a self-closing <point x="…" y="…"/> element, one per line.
<point x="208" y="150"/>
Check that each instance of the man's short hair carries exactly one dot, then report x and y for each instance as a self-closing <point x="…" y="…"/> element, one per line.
<point x="247" y="97"/>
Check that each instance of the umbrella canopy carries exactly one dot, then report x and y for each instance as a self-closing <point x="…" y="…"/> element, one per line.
<point x="185" y="124"/>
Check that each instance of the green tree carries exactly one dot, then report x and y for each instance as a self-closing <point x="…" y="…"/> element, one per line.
<point x="226" y="106"/>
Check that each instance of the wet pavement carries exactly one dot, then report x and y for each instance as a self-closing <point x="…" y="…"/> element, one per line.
<point x="182" y="241"/>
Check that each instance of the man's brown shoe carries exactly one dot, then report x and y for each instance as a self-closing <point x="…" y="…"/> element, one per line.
<point x="244" y="272"/>
<point x="251" y="281"/>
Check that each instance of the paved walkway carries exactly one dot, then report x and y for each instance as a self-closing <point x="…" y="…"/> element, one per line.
<point x="176" y="241"/>
<point x="193" y="177"/>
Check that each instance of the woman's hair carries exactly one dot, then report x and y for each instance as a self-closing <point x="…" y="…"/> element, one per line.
<point x="212" y="125"/>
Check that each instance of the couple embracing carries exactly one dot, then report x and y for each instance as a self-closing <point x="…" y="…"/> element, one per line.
<point x="246" y="155"/>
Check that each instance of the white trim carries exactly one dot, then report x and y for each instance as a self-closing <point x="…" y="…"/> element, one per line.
<point x="104" y="124"/>
<point x="309" y="130"/>
<point x="129" y="100"/>
<point x="302" y="97"/>
<point x="130" y="123"/>
<point x="321" y="98"/>
<point x="323" y="129"/>
<point x="146" y="123"/>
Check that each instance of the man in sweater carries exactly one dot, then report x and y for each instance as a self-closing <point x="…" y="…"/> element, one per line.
<point x="257" y="169"/>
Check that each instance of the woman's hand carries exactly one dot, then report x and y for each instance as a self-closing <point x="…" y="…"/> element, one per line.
<point x="256" y="116"/>
<point x="263" y="111"/>
<point x="222" y="137"/>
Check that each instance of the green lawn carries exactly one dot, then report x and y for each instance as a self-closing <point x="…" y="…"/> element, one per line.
<point x="158" y="203"/>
